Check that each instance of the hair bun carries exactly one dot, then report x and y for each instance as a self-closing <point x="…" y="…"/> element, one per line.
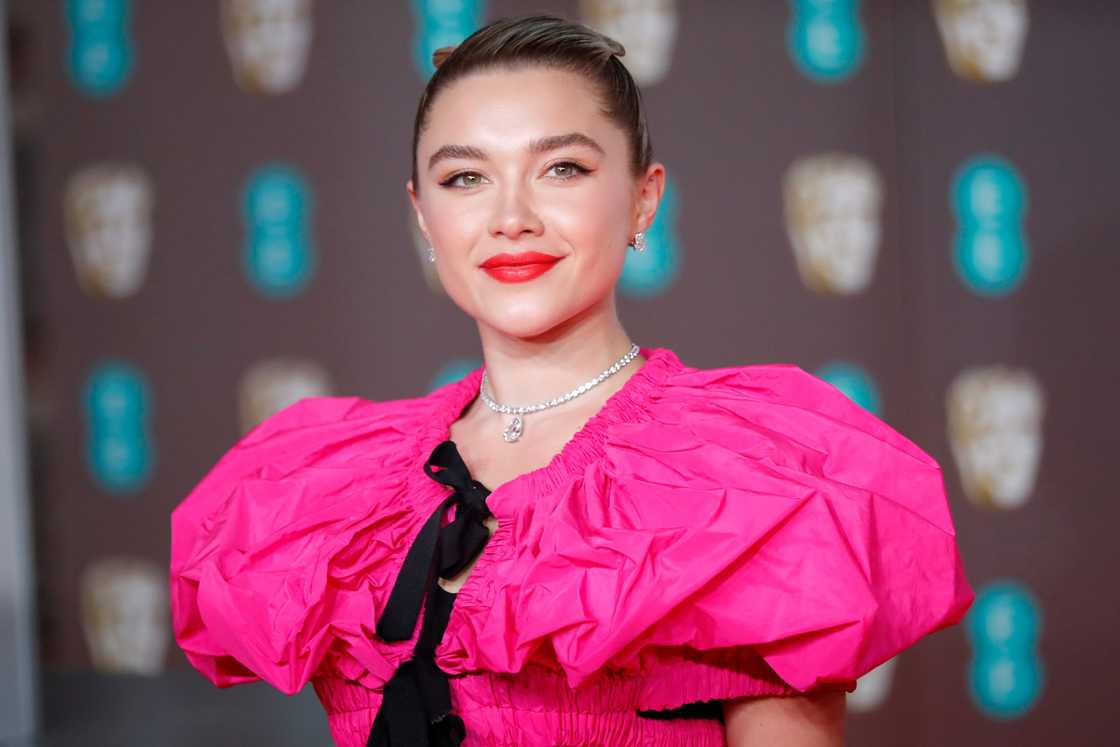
<point x="442" y="54"/>
<point x="616" y="48"/>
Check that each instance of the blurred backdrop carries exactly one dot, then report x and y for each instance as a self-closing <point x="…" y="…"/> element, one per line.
<point x="915" y="200"/>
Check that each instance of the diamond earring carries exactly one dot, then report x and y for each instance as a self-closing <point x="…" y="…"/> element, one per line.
<point x="639" y="243"/>
<point x="431" y="254"/>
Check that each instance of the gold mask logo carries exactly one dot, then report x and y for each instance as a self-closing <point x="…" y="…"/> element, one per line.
<point x="108" y="228"/>
<point x="833" y="205"/>
<point x="268" y="42"/>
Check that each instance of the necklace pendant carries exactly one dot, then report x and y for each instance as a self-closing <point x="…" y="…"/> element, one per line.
<point x="513" y="430"/>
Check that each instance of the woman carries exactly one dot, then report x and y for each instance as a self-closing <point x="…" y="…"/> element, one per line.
<point x="640" y="552"/>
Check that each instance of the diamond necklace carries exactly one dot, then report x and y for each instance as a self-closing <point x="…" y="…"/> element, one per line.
<point x="516" y="426"/>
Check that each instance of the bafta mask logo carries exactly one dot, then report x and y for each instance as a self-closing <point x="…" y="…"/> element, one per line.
<point x="117" y="406"/>
<point x="651" y="272"/>
<point x="124" y="615"/>
<point x="995" y="433"/>
<point x="983" y="38"/>
<point x="825" y="38"/>
<point x="268" y="42"/>
<point x="271" y="385"/>
<point x="1006" y="673"/>
<point x="108" y="215"/>
<point x="100" y="57"/>
<point x="833" y="205"/>
<point x="873" y="688"/>
<point x="989" y="199"/>
<point x="442" y="23"/>
<point x="646" y="28"/>
<point x="854" y="382"/>
<point x="278" y="252"/>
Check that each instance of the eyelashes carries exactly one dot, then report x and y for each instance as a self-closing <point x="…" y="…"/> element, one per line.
<point x="580" y="170"/>
<point x="577" y="168"/>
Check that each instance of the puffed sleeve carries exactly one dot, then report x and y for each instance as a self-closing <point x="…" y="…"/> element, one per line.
<point x="274" y="552"/>
<point x="758" y="514"/>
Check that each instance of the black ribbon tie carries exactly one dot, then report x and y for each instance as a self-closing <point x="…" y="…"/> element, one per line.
<point x="416" y="705"/>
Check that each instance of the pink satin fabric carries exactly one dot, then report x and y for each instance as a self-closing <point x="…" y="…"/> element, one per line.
<point x="708" y="534"/>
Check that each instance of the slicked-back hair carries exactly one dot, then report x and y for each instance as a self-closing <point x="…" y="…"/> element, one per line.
<point x="550" y="42"/>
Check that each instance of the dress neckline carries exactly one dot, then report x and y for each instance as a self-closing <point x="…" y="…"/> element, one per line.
<point x="628" y="404"/>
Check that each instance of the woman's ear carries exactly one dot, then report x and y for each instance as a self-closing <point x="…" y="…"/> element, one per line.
<point x="416" y="208"/>
<point x="650" y="189"/>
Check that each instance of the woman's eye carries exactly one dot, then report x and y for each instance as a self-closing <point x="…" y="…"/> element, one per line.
<point x="570" y="169"/>
<point x="467" y="179"/>
<point x="451" y="180"/>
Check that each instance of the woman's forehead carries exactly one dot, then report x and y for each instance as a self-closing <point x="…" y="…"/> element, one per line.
<point x="504" y="108"/>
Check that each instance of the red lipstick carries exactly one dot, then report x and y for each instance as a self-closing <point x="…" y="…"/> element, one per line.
<point x="520" y="267"/>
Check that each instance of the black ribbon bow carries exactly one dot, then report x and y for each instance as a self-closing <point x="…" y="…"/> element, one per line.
<point x="416" y="705"/>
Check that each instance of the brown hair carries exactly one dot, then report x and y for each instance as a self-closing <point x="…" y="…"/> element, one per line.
<point x="545" y="41"/>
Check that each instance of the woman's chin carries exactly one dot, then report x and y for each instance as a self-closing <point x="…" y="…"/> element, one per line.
<point x="523" y="321"/>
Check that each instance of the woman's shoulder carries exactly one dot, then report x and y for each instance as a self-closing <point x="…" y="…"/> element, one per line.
<point x="782" y="395"/>
<point x="754" y="506"/>
<point x="318" y="489"/>
<point x="711" y="427"/>
<point x="314" y="438"/>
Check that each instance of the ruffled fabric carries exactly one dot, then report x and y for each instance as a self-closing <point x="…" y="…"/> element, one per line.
<point x="283" y="555"/>
<point x="709" y="533"/>
<point x="752" y="506"/>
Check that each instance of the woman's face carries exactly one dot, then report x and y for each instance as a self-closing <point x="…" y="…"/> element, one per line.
<point x="524" y="161"/>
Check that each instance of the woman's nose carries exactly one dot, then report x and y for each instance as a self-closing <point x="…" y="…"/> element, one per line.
<point x="514" y="214"/>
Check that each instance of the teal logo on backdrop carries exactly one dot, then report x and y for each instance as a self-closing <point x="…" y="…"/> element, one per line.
<point x="989" y="200"/>
<point x="825" y="38"/>
<point x="651" y="272"/>
<point x="276" y="209"/>
<point x="101" y="55"/>
<point x="1005" y="676"/>
<point x="118" y="440"/>
<point x="442" y="23"/>
<point x="854" y="382"/>
<point x="453" y="371"/>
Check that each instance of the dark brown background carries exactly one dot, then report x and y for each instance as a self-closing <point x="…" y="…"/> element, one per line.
<point x="730" y="117"/>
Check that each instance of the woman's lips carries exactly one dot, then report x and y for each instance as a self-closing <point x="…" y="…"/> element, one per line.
<point x="518" y="268"/>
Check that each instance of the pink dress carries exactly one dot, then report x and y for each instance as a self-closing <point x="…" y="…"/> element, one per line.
<point x="708" y="534"/>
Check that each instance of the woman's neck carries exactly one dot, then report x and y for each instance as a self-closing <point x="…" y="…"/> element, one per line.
<point x="528" y="371"/>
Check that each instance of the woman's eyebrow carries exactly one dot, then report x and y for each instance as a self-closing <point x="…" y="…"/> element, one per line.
<point x="541" y="145"/>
